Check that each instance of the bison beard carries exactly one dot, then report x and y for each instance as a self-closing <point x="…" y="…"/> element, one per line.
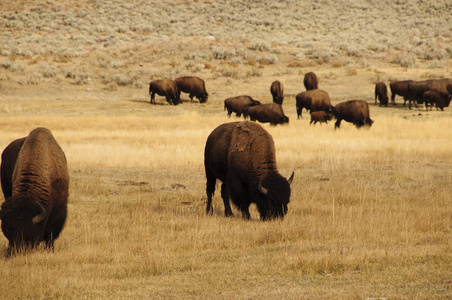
<point x="242" y="156"/>
<point x="35" y="184"/>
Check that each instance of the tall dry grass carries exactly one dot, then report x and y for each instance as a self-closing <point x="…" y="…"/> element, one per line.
<point x="370" y="213"/>
<point x="369" y="216"/>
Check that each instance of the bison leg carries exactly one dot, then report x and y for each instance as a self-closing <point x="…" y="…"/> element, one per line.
<point x="299" y="113"/>
<point x="153" y="98"/>
<point x="210" y="190"/>
<point x="393" y="99"/>
<point x="337" y="124"/>
<point x="225" y="197"/>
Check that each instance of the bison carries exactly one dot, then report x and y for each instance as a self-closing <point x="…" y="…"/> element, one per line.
<point x="320" y="116"/>
<point x="313" y="100"/>
<point x="441" y="100"/>
<point x="399" y="88"/>
<point x="242" y="156"/>
<point x="353" y="111"/>
<point x="166" y="88"/>
<point x="310" y="81"/>
<point x="35" y="183"/>
<point x="416" y="89"/>
<point x="381" y="92"/>
<point x="194" y="86"/>
<point x="238" y="104"/>
<point x="266" y="113"/>
<point x="277" y="91"/>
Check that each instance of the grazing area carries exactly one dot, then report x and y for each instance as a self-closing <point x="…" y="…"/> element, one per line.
<point x="370" y="214"/>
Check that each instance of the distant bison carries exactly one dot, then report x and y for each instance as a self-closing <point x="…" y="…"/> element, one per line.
<point x="310" y="81"/>
<point x="313" y="100"/>
<point x="194" y="86"/>
<point x="399" y="88"/>
<point x="416" y="89"/>
<point x="441" y="100"/>
<point x="353" y="111"/>
<point x="381" y="92"/>
<point x="242" y="156"/>
<point x="166" y="88"/>
<point x="238" y="104"/>
<point x="266" y="113"/>
<point x="35" y="183"/>
<point x="321" y="117"/>
<point x="277" y="91"/>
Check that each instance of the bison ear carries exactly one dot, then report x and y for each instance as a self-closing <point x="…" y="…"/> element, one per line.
<point x="290" y="178"/>
<point x="40" y="216"/>
<point x="261" y="188"/>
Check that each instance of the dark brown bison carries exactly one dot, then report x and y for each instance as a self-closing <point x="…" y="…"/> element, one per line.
<point x="381" y="92"/>
<point x="313" y="100"/>
<point x="320" y="116"/>
<point x="242" y="156"/>
<point x="238" y="104"/>
<point x="35" y="183"/>
<point x="194" y="86"/>
<point x="310" y="81"/>
<point x="166" y="88"/>
<point x="399" y="88"/>
<point x="277" y="91"/>
<point x="416" y="89"/>
<point x="353" y="111"/>
<point x="266" y="113"/>
<point x="440" y="100"/>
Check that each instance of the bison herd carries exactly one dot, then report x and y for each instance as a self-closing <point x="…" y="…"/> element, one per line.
<point x="432" y="92"/>
<point x="34" y="174"/>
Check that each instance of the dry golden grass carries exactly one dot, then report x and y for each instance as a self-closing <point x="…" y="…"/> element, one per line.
<point x="370" y="214"/>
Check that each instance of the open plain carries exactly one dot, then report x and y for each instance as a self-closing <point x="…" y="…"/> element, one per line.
<point x="370" y="215"/>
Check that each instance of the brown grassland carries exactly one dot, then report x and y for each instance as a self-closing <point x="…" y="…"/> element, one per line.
<point x="370" y="215"/>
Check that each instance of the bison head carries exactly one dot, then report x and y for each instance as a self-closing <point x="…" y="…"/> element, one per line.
<point x="22" y="223"/>
<point x="273" y="196"/>
<point x="203" y="98"/>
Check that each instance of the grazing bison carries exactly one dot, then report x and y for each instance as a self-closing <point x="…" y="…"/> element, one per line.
<point x="194" y="86"/>
<point x="242" y="156"/>
<point x="166" y="88"/>
<point x="399" y="88"/>
<point x="35" y="183"/>
<point x="277" y="91"/>
<point x="441" y="100"/>
<point x="381" y="92"/>
<point x="353" y="111"/>
<point x="310" y="81"/>
<point x="238" y="104"/>
<point x="416" y="89"/>
<point x="321" y="117"/>
<point x="313" y="100"/>
<point x="266" y="113"/>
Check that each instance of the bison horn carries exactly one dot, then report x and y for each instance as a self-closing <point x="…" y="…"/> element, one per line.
<point x="261" y="188"/>
<point x="290" y="178"/>
<point x="41" y="216"/>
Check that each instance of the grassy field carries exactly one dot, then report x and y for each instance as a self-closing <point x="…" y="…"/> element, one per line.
<point x="370" y="215"/>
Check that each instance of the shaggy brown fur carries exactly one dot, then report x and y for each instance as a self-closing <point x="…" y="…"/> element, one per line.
<point x="35" y="183"/>
<point x="266" y="113"/>
<point x="242" y="156"/>
<point x="277" y="91"/>
<point x="238" y="104"/>
<point x="194" y="86"/>
<point x="166" y="88"/>
<point x="313" y="100"/>
<point x="353" y="111"/>
<point x="310" y="81"/>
